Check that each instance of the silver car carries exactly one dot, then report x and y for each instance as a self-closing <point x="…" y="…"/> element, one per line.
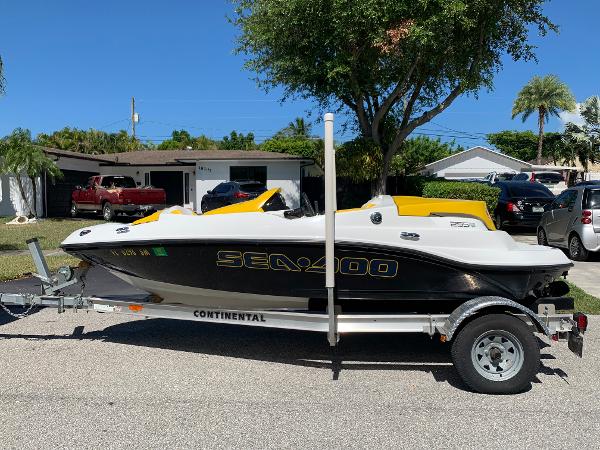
<point x="573" y="222"/>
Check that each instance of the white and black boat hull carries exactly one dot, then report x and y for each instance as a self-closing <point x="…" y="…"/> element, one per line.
<point x="279" y="274"/>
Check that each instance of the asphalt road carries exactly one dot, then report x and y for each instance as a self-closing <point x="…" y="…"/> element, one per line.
<point x="92" y="380"/>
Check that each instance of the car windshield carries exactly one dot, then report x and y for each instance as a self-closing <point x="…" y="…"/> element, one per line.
<point x="252" y="187"/>
<point x="548" y="178"/>
<point x="593" y="199"/>
<point x="118" y="182"/>
<point x="530" y="190"/>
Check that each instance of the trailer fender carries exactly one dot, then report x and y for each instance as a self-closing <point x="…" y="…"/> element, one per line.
<point x="476" y="305"/>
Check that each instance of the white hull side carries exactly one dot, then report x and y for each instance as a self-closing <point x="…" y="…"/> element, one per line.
<point x="208" y="298"/>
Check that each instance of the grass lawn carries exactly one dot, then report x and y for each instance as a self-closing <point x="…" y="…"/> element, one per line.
<point x="584" y="302"/>
<point x="12" y="267"/>
<point x="50" y="232"/>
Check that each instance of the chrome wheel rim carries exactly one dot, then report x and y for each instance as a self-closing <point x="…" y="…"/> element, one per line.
<point x="106" y="213"/>
<point x="574" y="247"/>
<point x="73" y="210"/>
<point x="497" y="355"/>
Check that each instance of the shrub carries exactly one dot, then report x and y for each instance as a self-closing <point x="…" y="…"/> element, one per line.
<point x="463" y="191"/>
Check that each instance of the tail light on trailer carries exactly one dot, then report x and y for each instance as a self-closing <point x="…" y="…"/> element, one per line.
<point x="241" y="195"/>
<point x="512" y="207"/>
<point x="586" y="217"/>
<point x="581" y="320"/>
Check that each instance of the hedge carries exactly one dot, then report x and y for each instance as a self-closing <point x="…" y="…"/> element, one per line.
<point x="463" y="191"/>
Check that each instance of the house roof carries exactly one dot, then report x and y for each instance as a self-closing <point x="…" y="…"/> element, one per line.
<point x="472" y="149"/>
<point x="174" y="157"/>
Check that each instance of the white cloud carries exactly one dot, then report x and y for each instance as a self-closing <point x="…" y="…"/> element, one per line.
<point x="574" y="117"/>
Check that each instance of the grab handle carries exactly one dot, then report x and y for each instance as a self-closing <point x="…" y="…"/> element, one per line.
<point x="407" y="235"/>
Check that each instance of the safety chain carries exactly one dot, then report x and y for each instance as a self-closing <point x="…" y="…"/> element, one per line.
<point x="15" y="315"/>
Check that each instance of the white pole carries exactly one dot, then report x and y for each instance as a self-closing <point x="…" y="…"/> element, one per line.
<point x="330" y="208"/>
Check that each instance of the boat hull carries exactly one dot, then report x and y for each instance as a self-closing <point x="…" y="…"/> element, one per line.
<point x="283" y="274"/>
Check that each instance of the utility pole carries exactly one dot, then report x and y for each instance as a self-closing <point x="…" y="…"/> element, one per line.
<point x="133" y="117"/>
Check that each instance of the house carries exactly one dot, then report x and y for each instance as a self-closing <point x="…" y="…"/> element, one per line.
<point x="185" y="175"/>
<point x="477" y="162"/>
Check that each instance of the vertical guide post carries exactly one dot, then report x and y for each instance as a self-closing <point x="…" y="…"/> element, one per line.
<point x="330" y="208"/>
<point x="133" y="117"/>
<point x="38" y="259"/>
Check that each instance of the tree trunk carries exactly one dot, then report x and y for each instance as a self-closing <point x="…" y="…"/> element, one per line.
<point x="34" y="190"/>
<point x="381" y="182"/>
<point x="22" y="192"/>
<point x="541" y="116"/>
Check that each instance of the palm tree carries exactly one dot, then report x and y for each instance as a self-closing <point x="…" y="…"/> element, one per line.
<point x="546" y="95"/>
<point x="584" y="140"/>
<point x="296" y="129"/>
<point x="20" y="157"/>
<point x="2" y="80"/>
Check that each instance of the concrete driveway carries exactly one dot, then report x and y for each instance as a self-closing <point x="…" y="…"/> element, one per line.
<point x="101" y="380"/>
<point x="585" y="275"/>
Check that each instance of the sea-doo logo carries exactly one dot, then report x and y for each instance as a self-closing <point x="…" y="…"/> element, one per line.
<point x="226" y="315"/>
<point x="122" y="230"/>
<point x="381" y="268"/>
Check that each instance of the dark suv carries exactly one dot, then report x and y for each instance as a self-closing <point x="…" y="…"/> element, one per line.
<point x="521" y="203"/>
<point x="231" y="192"/>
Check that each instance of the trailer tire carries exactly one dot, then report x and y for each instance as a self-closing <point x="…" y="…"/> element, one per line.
<point x="496" y="354"/>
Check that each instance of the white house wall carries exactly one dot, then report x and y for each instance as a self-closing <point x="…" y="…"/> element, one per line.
<point x="473" y="164"/>
<point x="11" y="202"/>
<point x="280" y="174"/>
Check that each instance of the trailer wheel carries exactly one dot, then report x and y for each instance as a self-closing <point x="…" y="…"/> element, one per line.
<point x="496" y="354"/>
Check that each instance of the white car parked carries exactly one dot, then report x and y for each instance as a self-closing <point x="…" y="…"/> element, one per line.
<point x="552" y="180"/>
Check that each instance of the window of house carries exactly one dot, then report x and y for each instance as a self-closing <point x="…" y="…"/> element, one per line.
<point x="253" y="173"/>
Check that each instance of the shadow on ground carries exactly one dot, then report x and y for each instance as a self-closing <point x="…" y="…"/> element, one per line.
<point x="376" y="351"/>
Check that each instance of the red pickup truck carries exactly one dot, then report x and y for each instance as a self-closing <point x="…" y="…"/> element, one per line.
<point x="112" y="194"/>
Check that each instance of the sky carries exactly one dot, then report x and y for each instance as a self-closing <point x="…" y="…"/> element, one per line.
<point x="78" y="63"/>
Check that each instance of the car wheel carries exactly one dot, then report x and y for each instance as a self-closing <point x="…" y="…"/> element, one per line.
<point x="108" y="212"/>
<point x="74" y="211"/>
<point x="498" y="222"/>
<point x="496" y="354"/>
<point x="541" y="237"/>
<point x="577" y="251"/>
<point x="203" y="207"/>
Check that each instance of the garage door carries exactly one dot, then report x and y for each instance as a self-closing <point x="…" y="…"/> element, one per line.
<point x="58" y="195"/>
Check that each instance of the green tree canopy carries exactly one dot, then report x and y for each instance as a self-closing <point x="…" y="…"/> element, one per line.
<point x="238" y="141"/>
<point x="299" y="128"/>
<point x="307" y="148"/>
<point x="181" y="139"/>
<point x="90" y="141"/>
<point x="21" y="157"/>
<point x="395" y="64"/>
<point x="360" y="159"/>
<point x="547" y="96"/>
<point x="584" y="140"/>
<point x="523" y="145"/>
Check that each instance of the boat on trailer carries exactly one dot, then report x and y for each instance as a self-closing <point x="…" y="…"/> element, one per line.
<point x="398" y="254"/>
<point x="260" y="264"/>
